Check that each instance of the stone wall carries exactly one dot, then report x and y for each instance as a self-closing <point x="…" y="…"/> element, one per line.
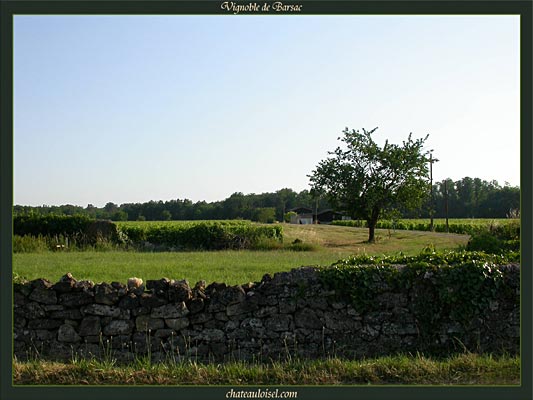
<point x="290" y="314"/>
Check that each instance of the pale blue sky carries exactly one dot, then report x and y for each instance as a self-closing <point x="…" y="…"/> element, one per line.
<point x="139" y="108"/>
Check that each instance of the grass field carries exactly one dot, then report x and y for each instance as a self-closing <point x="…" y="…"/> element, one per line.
<point x="331" y="243"/>
<point x="463" y="369"/>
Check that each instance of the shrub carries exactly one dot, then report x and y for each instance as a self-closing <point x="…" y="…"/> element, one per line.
<point x="354" y="223"/>
<point x="504" y="229"/>
<point x="298" y="245"/>
<point x="50" y="225"/>
<point x="492" y="244"/>
<point x="509" y="231"/>
<point x="428" y="256"/>
<point x="266" y="215"/>
<point x="202" y="235"/>
<point x="288" y="215"/>
<point x="102" y="231"/>
<point x="37" y="232"/>
<point x="264" y="243"/>
<point x="512" y="245"/>
<point x="485" y="242"/>
<point x="29" y="244"/>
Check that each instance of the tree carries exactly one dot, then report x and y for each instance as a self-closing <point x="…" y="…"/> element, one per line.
<point x="265" y="215"/>
<point x="119" y="216"/>
<point x="166" y="215"/>
<point x="366" y="181"/>
<point x="286" y="199"/>
<point x="466" y="192"/>
<point x="110" y="208"/>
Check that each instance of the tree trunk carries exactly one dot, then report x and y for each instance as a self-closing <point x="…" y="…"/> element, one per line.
<point x="371" y="229"/>
<point x="372" y="222"/>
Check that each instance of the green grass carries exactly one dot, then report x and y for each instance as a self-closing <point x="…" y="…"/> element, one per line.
<point x="232" y="267"/>
<point x="464" y="369"/>
<point x="344" y="241"/>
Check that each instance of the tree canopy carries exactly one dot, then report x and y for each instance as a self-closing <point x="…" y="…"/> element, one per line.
<point x="487" y="199"/>
<point x="366" y="180"/>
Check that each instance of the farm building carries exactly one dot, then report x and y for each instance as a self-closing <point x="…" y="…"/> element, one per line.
<point x="305" y="215"/>
<point x="328" y="216"/>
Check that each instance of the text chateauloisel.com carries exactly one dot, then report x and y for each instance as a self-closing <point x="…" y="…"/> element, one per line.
<point x="260" y="394"/>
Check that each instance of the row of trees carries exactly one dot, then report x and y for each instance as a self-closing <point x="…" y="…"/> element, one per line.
<point x="467" y="198"/>
<point x="264" y="207"/>
<point x="475" y="198"/>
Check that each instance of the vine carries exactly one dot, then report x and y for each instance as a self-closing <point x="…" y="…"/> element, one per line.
<point x="447" y="286"/>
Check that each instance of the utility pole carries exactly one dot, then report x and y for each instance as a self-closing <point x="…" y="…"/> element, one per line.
<point x="432" y="206"/>
<point x="316" y="210"/>
<point x="316" y="195"/>
<point x="446" y="204"/>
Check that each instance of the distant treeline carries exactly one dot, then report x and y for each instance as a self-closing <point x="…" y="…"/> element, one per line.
<point x="466" y="198"/>
<point x="264" y="207"/>
<point x="474" y="198"/>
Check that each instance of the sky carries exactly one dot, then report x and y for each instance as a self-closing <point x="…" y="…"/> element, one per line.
<point x="128" y="109"/>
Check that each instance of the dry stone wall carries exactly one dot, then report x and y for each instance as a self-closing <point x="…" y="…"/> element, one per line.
<point x="291" y="314"/>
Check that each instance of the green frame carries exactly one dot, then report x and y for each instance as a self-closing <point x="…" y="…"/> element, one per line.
<point x="9" y="9"/>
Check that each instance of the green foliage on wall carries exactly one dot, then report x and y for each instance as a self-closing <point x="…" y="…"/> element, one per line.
<point x="448" y="286"/>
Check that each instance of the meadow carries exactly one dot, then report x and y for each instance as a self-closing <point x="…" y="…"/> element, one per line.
<point x="326" y="245"/>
